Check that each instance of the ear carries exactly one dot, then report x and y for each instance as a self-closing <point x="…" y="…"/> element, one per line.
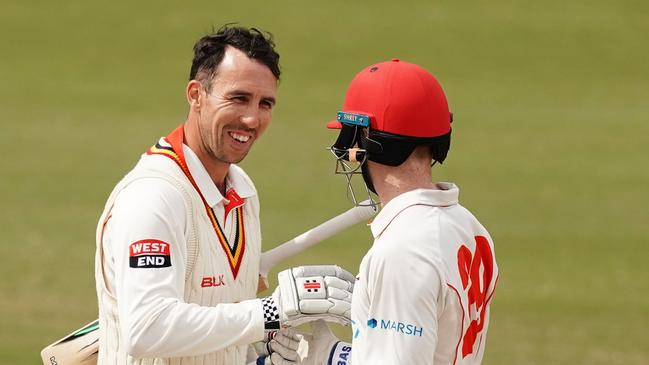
<point x="193" y="94"/>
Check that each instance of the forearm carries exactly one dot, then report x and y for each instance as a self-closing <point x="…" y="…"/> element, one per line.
<point x="181" y="329"/>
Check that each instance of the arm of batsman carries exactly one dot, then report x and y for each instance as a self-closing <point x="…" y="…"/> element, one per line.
<point x="309" y="293"/>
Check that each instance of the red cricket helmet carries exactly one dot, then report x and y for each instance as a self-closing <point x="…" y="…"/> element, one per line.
<point x="402" y="105"/>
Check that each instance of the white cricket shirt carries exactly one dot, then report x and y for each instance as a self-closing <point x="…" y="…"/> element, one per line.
<point x="423" y="289"/>
<point x="144" y="248"/>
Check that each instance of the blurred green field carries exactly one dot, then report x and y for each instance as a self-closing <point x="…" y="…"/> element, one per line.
<point x="551" y="103"/>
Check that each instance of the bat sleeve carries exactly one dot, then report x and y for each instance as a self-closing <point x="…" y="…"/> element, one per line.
<point x="146" y="252"/>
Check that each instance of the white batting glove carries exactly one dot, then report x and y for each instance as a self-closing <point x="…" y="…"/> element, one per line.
<point x="309" y="293"/>
<point x="322" y="347"/>
<point x="280" y="348"/>
<point x="325" y="348"/>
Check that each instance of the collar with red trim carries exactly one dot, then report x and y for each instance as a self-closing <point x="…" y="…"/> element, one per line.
<point x="446" y="194"/>
<point x="234" y="180"/>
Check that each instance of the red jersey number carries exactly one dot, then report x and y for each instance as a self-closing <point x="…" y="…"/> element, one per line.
<point x="476" y="272"/>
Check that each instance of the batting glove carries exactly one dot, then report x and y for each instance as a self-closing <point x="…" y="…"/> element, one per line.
<point x="280" y="348"/>
<point x="309" y="293"/>
<point x="323" y="347"/>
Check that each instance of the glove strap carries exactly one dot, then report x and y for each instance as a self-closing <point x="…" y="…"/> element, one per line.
<point x="271" y="313"/>
<point x="341" y="354"/>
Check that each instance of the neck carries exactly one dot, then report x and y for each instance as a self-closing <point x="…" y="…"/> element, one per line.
<point x="390" y="182"/>
<point x="216" y="169"/>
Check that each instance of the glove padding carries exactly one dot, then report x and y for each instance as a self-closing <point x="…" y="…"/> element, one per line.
<point x="309" y="293"/>
<point x="280" y="348"/>
<point x="322" y="347"/>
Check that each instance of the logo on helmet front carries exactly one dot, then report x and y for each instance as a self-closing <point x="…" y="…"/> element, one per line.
<point x="352" y="118"/>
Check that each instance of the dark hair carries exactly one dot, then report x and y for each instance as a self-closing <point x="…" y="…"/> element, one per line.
<point x="210" y="49"/>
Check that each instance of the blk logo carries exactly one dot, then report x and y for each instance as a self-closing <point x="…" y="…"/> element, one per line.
<point x="212" y="281"/>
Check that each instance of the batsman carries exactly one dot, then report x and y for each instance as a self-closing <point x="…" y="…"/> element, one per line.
<point x="179" y="243"/>
<point x="423" y="290"/>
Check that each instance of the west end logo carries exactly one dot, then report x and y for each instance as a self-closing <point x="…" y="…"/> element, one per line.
<point x="149" y="253"/>
<point x="396" y="326"/>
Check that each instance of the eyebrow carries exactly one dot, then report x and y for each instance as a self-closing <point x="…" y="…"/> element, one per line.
<point x="249" y="94"/>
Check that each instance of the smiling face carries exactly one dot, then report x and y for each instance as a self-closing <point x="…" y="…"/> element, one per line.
<point x="225" y="121"/>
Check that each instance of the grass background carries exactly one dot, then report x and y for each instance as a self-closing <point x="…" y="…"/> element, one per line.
<point x="551" y="103"/>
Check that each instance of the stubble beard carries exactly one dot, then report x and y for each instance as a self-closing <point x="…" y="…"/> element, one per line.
<point x="215" y="145"/>
<point x="217" y="151"/>
<point x="221" y="156"/>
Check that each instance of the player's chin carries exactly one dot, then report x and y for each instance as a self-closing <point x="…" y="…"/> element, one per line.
<point x="235" y="156"/>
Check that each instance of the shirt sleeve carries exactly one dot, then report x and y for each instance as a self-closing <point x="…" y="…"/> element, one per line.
<point x="146" y="252"/>
<point x="403" y="288"/>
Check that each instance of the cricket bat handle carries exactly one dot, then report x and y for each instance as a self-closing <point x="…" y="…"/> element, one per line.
<point x="310" y="238"/>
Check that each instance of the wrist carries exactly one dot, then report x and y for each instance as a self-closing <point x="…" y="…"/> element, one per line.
<point x="271" y="314"/>
<point x="341" y="354"/>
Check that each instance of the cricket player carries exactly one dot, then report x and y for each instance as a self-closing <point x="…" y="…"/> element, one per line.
<point x="178" y="244"/>
<point x="423" y="289"/>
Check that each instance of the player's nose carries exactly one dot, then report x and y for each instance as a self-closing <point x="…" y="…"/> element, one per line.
<point x="251" y="119"/>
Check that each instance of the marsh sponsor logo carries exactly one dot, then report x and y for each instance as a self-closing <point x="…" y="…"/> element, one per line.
<point x="396" y="326"/>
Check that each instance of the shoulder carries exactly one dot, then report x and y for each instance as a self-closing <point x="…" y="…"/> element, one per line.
<point x="458" y="215"/>
<point x="149" y="194"/>
<point x="409" y="242"/>
<point x="409" y="245"/>
<point x="413" y="231"/>
<point x="155" y="175"/>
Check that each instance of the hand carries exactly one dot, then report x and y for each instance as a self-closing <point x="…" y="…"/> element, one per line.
<point x="323" y="348"/>
<point x="322" y="343"/>
<point x="280" y="348"/>
<point x="309" y="293"/>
